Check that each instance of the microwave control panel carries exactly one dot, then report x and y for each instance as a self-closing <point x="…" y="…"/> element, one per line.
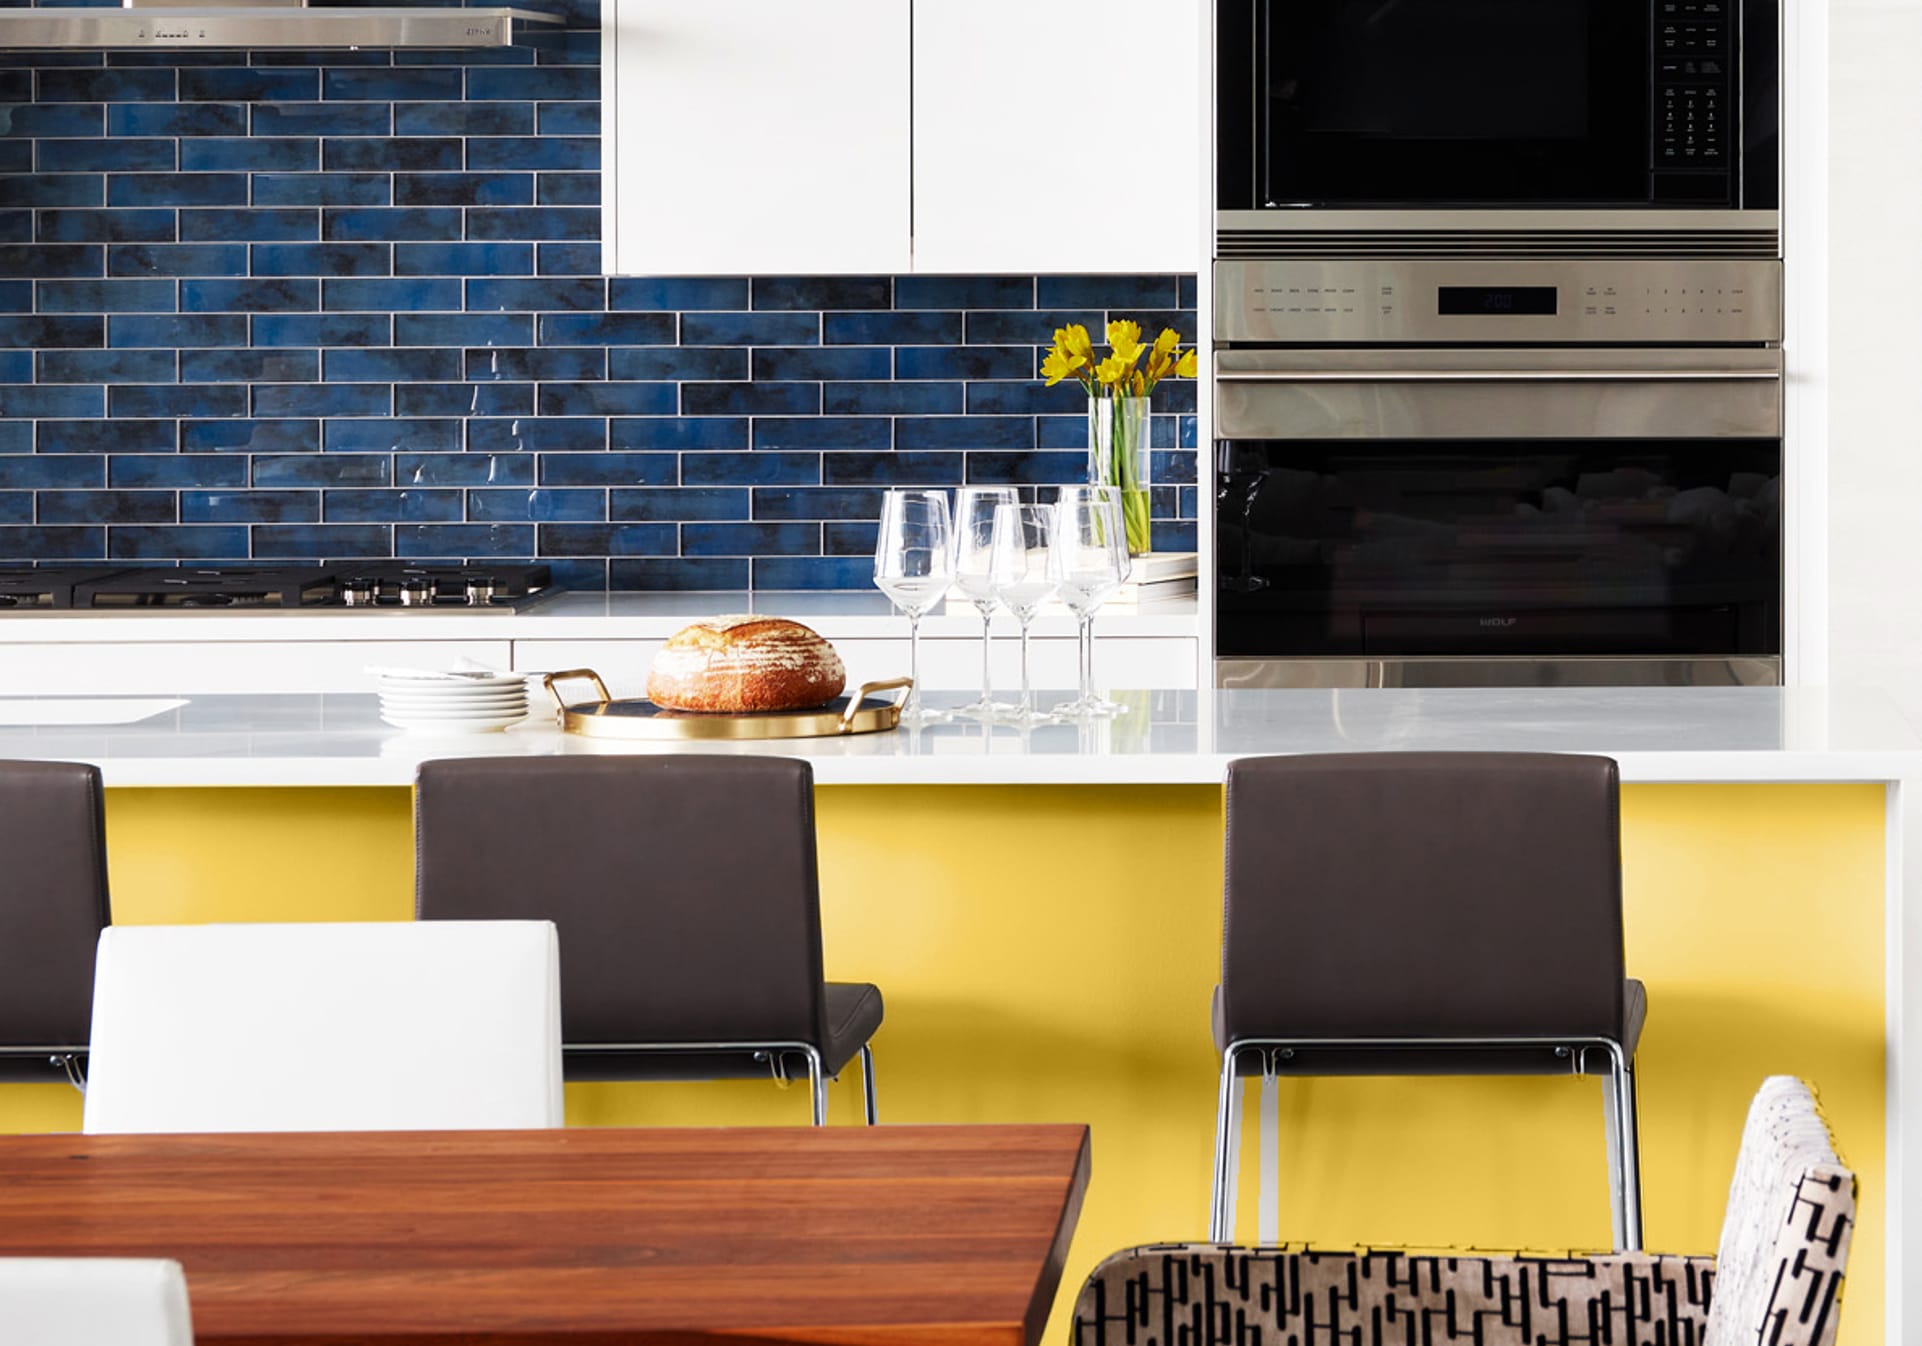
<point x="1691" y="84"/>
<point x="1604" y="301"/>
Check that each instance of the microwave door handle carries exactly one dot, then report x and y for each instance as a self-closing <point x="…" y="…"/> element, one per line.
<point x="1653" y="375"/>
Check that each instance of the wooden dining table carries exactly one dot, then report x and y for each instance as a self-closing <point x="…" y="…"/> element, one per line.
<point x="942" y="1235"/>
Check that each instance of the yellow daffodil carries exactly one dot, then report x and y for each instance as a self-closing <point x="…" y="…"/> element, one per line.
<point x="1185" y="367"/>
<point x="1073" y="341"/>
<point x="1125" y="338"/>
<point x="1057" y="365"/>
<point x="1112" y="370"/>
<point x="1165" y="343"/>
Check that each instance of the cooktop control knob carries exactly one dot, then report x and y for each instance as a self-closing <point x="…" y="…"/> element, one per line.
<point x="416" y="592"/>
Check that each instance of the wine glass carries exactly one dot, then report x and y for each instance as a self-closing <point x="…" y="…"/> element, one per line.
<point x="1018" y="569"/>
<point x="974" y="508"/>
<point x="913" y="566"/>
<point x="1089" y="561"/>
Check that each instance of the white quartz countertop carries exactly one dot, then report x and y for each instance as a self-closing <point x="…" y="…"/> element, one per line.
<point x="1168" y="737"/>
<point x="568" y="616"/>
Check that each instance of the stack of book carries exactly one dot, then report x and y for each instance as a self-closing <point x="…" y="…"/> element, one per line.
<point x="1157" y="577"/>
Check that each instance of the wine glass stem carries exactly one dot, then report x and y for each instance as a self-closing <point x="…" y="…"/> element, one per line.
<point x="1087" y="657"/>
<point x="1027" y="689"/>
<point x="987" y="674"/>
<point x="912" y="705"/>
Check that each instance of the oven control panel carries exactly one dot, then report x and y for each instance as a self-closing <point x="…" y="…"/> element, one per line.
<point x="1599" y="301"/>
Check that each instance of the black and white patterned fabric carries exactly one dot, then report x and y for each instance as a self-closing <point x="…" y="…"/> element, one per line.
<point x="1777" y="1280"/>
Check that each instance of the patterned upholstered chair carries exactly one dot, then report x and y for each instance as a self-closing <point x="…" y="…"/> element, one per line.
<point x="1777" y="1277"/>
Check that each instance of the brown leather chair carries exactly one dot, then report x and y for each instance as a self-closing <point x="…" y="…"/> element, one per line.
<point x="685" y="892"/>
<point x="1455" y="913"/>
<point x="53" y="906"/>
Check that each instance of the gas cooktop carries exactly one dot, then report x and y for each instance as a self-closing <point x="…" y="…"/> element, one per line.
<point x="372" y="585"/>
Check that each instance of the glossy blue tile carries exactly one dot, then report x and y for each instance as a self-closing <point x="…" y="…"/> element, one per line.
<point x="814" y="572"/>
<point x="215" y="154"/>
<point x="542" y="84"/>
<point x="16" y="436"/>
<point x="35" y="120"/>
<point x="322" y="329"/>
<point x="463" y="259"/>
<point x="464" y="469"/>
<point x="322" y="189"/>
<point x="822" y="362"/>
<point x="104" y="436"/>
<point x="52" y="399"/>
<point x="850" y="539"/>
<point x="540" y="505"/>
<point x="244" y="436"/>
<point x="323" y="259"/>
<point x="535" y="434"/>
<point x="403" y="364"/>
<point x="16" y="226"/>
<point x="323" y="119"/>
<point x="751" y="399"/>
<point x="467" y="119"/>
<point x="1026" y="399"/>
<point x="608" y="399"/>
<point x="249" y="366"/>
<point x="177" y="189"/>
<point x="1014" y="328"/>
<point x="300" y="540"/>
<point x="276" y="295"/>
<point x="323" y="399"/>
<point x="177" y="471"/>
<point x="750" y="469"/>
<point x="45" y="331"/>
<point x="173" y="330"/>
<point x="750" y="329"/>
<point x="99" y="155"/>
<point x="819" y="502"/>
<point x="35" y="472"/>
<point x="184" y="542"/>
<point x="964" y="432"/>
<point x="177" y="259"/>
<point x="607" y="329"/>
<point x="534" y="222"/>
<point x="571" y="363"/>
<point x="892" y="399"/>
<point x="569" y="189"/>
<point x="358" y="435"/>
<point x="103" y="366"/>
<point x="177" y="119"/>
<point x="1187" y="291"/>
<point x="891" y="469"/>
<point x="537" y="152"/>
<point x="672" y="505"/>
<point x="391" y="154"/>
<point x="577" y="574"/>
<point x="53" y="544"/>
<point x="965" y="362"/>
<point x="1177" y="468"/>
<point x="19" y="188"/>
<point x="464" y="539"/>
<point x="177" y="399"/>
<point x="677" y="362"/>
<point x="1104" y="292"/>
<point x="217" y="506"/>
<point x="671" y="293"/>
<point x="821" y="292"/>
<point x="16" y="296"/>
<point x="464" y="399"/>
<point x="890" y="329"/>
<point x="322" y="469"/>
<point x="389" y="505"/>
<point x="824" y="432"/>
<point x="105" y="296"/>
<point x="1039" y="468"/>
<point x="607" y="539"/>
<point x="568" y="259"/>
<point x="290" y="224"/>
<point x="16" y="506"/>
<point x="406" y="294"/>
<point x="463" y="329"/>
<point x="395" y="85"/>
<point x="458" y="189"/>
<point x="608" y="469"/>
<point x="105" y="86"/>
<point x="17" y="366"/>
<point x="567" y="119"/>
<point x="106" y="507"/>
<point x="677" y="432"/>
<point x="255" y="84"/>
<point x="963" y="292"/>
<point x="40" y="259"/>
<point x="489" y="296"/>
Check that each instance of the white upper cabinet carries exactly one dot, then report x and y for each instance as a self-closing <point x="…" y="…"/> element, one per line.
<point x="755" y="136"/>
<point x="1053" y="137"/>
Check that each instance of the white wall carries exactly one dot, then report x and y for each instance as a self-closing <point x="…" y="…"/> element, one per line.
<point x="1874" y="587"/>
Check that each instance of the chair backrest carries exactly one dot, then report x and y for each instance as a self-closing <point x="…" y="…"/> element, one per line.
<point x="53" y="901"/>
<point x="1422" y="895"/>
<point x="684" y="886"/>
<point x="93" y="1301"/>
<point x="326" y="1027"/>
<point x="1785" y="1239"/>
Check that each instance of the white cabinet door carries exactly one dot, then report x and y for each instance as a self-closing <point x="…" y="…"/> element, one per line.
<point x="755" y="137"/>
<point x="109" y="669"/>
<point x="1053" y="137"/>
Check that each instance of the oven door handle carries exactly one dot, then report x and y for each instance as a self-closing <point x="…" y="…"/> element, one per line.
<point x="1649" y="375"/>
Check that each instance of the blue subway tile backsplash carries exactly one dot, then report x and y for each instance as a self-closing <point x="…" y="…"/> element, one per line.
<point x="301" y="305"/>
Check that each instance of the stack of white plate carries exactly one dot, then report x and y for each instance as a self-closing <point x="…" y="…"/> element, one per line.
<point x="450" y="703"/>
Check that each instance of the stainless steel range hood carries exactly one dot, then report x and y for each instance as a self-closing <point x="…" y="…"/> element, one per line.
<point x="260" y="24"/>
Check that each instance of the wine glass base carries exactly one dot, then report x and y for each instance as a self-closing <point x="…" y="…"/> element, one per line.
<point x="917" y="716"/>
<point x="1091" y="708"/>
<point x="1027" y="716"/>
<point x="987" y="708"/>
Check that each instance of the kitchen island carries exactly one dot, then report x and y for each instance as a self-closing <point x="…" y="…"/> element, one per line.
<point x="1042" y="911"/>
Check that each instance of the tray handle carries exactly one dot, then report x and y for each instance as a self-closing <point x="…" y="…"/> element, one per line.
<point x="856" y="701"/>
<point x="551" y="682"/>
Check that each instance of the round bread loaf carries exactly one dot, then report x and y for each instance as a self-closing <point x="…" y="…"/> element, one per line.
<point x="735" y="664"/>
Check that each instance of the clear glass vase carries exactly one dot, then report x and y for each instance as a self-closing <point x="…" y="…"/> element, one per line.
<point x="1118" y="456"/>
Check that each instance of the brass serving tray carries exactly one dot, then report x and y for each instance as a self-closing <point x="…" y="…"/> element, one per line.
<point x="639" y="718"/>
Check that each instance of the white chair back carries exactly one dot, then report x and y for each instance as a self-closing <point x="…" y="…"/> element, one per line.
<point x="93" y="1301"/>
<point x="402" y="1026"/>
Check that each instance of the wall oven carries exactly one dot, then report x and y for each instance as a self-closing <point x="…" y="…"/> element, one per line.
<point x="1594" y="499"/>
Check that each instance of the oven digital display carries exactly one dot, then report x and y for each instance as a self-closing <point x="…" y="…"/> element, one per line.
<point x="1522" y="300"/>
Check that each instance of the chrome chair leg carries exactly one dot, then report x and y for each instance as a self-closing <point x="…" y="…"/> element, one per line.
<point x="1221" y="1208"/>
<point x="1612" y="1133"/>
<point x="1631" y="1157"/>
<point x="817" y="1087"/>
<point x="867" y="1082"/>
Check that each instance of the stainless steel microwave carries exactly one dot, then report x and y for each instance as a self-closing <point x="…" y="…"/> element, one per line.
<point x="1428" y="105"/>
